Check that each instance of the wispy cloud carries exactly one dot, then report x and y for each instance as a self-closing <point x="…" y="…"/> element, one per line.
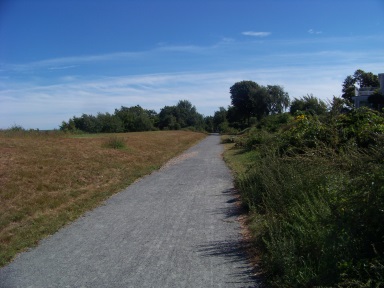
<point x="62" y="67"/>
<point x="256" y="34"/>
<point x="181" y="48"/>
<point x="69" y="62"/>
<point x="164" y="50"/>
<point x="312" y="31"/>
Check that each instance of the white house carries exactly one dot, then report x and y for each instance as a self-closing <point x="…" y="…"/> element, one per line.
<point x="362" y="94"/>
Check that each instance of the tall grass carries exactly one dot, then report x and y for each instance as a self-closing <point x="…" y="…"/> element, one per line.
<point x="316" y="206"/>
<point x="115" y="142"/>
<point x="49" y="179"/>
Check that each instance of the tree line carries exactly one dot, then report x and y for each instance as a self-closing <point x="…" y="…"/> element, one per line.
<point x="250" y="103"/>
<point x="137" y="119"/>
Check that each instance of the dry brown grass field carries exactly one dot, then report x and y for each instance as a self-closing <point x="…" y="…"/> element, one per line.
<point x="50" y="179"/>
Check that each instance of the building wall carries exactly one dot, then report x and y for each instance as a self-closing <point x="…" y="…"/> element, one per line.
<point x="361" y="98"/>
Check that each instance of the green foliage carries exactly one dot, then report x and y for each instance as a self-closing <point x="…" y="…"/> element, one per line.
<point x="376" y="100"/>
<point x="182" y="115"/>
<point x="253" y="138"/>
<point x="220" y="122"/>
<point x="136" y="119"/>
<point x="277" y="100"/>
<point x="16" y="128"/>
<point x="275" y="123"/>
<point x="114" y="142"/>
<point x="102" y="123"/>
<point x="316" y="190"/>
<point x="308" y="104"/>
<point x="242" y="95"/>
<point x="253" y="100"/>
<point x="362" y="79"/>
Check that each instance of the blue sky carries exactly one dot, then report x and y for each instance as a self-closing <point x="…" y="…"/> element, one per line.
<point x="62" y="58"/>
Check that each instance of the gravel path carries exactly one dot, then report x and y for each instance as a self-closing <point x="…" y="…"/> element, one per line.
<point x="174" y="228"/>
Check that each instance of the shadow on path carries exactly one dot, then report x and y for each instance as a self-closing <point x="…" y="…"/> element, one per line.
<point x="234" y="250"/>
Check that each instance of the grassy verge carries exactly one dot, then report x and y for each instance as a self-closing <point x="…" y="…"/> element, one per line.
<point x="50" y="179"/>
<point x="315" y="192"/>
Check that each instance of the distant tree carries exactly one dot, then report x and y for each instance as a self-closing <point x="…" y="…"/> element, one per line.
<point x="153" y="116"/>
<point x="250" y="99"/>
<point x="366" y="79"/>
<point x="253" y="100"/>
<point x="348" y="89"/>
<point x="261" y="100"/>
<point x="87" y="123"/>
<point x="187" y="115"/>
<point x="208" y="124"/>
<point x="220" y="119"/>
<point x="134" y="118"/>
<point x="167" y="118"/>
<point x="182" y="115"/>
<point x="278" y="100"/>
<point x="241" y="98"/>
<point x="361" y="79"/>
<point x="309" y="104"/>
<point x="69" y="126"/>
<point x="235" y="119"/>
<point x="338" y="106"/>
<point x="110" y="123"/>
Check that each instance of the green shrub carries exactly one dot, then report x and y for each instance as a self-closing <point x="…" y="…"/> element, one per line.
<point x="115" y="142"/>
<point x="274" y="123"/>
<point x="253" y="137"/>
<point x="318" y="187"/>
<point x="16" y="128"/>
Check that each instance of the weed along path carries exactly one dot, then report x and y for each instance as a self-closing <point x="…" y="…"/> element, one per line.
<point x="174" y="228"/>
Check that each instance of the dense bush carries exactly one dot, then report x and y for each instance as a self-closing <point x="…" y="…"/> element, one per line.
<point x="316" y="193"/>
<point x="309" y="104"/>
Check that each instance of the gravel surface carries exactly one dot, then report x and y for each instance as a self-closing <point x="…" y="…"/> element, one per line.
<point x="174" y="228"/>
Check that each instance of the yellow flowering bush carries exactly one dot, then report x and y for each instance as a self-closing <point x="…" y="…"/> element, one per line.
<point x="300" y="117"/>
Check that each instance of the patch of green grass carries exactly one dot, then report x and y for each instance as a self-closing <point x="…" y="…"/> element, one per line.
<point x="115" y="142"/>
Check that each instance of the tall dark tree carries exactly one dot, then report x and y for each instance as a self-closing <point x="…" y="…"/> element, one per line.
<point x="366" y="79"/>
<point x="234" y="117"/>
<point x="250" y="99"/>
<point x="260" y="99"/>
<point x="219" y="117"/>
<point x="167" y="118"/>
<point x="241" y="97"/>
<point x="361" y="79"/>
